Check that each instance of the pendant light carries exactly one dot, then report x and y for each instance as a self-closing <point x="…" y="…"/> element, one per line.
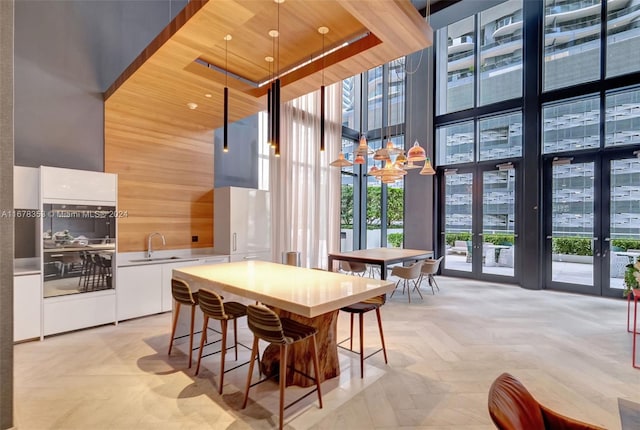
<point x="390" y="148"/>
<point x="427" y="169"/>
<point x="389" y="173"/>
<point x="416" y="152"/>
<point x="225" y="130"/>
<point x="410" y="166"/>
<point x="363" y="148"/>
<point x="341" y="161"/>
<point x="323" y="31"/>
<point x="270" y="140"/>
<point x="275" y="85"/>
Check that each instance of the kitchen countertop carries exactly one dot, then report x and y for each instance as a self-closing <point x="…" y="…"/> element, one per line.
<point x="163" y="256"/>
<point x="26" y="266"/>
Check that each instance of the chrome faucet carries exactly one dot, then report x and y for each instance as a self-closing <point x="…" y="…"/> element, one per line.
<point x="149" y="249"/>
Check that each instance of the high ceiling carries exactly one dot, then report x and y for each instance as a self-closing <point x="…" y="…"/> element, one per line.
<point x="190" y="62"/>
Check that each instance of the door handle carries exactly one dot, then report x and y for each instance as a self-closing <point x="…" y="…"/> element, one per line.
<point x="235" y="241"/>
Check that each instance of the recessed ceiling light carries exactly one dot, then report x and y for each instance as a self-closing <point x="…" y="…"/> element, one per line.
<point x="274" y="33"/>
<point x="268" y="59"/>
<point x="192" y="105"/>
<point x="208" y="95"/>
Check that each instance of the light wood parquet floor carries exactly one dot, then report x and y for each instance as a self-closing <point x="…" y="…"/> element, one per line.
<point x="571" y="351"/>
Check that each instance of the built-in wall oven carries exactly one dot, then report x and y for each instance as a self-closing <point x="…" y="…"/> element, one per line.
<point x="78" y="244"/>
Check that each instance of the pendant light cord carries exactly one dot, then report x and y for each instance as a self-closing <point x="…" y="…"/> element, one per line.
<point x="278" y="44"/>
<point x="226" y="61"/>
<point x="323" y="58"/>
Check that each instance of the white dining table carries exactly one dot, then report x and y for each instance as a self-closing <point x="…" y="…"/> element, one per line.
<point x="313" y="297"/>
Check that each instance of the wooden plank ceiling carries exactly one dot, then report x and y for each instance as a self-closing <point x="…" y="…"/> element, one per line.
<point x="186" y="63"/>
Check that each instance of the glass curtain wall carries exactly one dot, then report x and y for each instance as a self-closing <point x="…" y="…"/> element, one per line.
<point x="479" y="139"/>
<point x="373" y="105"/>
<point x="581" y="129"/>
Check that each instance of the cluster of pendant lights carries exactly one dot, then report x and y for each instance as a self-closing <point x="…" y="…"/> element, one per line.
<point x="273" y="93"/>
<point x="392" y="170"/>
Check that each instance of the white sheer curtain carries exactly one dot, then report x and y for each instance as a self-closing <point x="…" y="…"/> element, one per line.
<point x="305" y="190"/>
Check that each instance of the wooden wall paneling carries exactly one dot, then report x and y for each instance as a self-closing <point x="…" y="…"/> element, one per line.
<point x="165" y="177"/>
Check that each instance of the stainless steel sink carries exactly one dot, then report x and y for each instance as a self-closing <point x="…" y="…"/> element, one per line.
<point x="147" y="260"/>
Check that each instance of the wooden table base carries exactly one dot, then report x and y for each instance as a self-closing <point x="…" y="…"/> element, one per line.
<point x="300" y="353"/>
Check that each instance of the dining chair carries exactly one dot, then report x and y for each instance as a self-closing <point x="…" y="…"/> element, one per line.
<point x="182" y="295"/>
<point x="353" y="268"/>
<point x="429" y="269"/>
<point x="213" y="307"/>
<point x="361" y="308"/>
<point x="406" y="274"/>
<point x="283" y="332"/>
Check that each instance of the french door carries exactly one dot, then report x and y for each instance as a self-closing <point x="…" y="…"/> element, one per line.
<point x="592" y="227"/>
<point x="479" y="221"/>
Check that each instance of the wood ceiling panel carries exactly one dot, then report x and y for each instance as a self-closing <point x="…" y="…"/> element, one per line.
<point x="299" y="39"/>
<point x="165" y="78"/>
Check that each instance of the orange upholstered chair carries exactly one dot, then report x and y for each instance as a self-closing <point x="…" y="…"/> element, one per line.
<point x="512" y="407"/>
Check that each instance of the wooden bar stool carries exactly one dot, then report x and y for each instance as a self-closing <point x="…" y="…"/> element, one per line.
<point x="362" y="308"/>
<point x="635" y="295"/>
<point x="268" y="326"/>
<point x="212" y="307"/>
<point x="182" y="295"/>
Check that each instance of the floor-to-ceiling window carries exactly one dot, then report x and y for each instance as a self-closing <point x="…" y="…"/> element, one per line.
<point x="575" y="108"/>
<point x="372" y="212"/>
<point x="479" y="140"/>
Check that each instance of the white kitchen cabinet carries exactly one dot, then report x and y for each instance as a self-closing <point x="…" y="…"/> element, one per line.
<point x="167" y="275"/>
<point x="73" y="185"/>
<point x="139" y="291"/>
<point x="26" y="187"/>
<point x="146" y="289"/>
<point x="241" y="221"/>
<point x="76" y="311"/>
<point x="27" y="298"/>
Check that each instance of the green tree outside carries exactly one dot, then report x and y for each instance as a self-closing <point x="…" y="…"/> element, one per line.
<point x="395" y="207"/>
